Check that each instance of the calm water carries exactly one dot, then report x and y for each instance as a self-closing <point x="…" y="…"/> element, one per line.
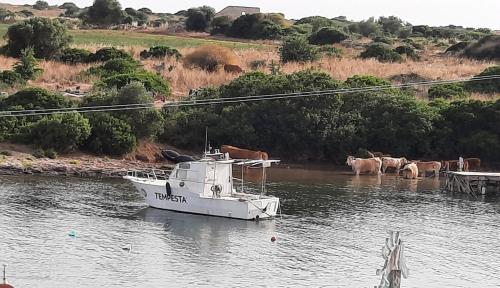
<point x="331" y="234"/>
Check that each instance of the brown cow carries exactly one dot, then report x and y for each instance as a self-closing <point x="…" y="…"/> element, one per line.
<point x="370" y="165"/>
<point x="474" y="164"/>
<point x="378" y="154"/>
<point x="431" y="166"/>
<point x="396" y="163"/>
<point x="410" y="171"/>
<point x="229" y="68"/>
<point x="239" y="153"/>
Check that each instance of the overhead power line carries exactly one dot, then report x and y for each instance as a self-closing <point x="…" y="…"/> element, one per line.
<point x="236" y="99"/>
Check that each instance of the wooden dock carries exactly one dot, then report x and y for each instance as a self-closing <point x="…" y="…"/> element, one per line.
<point x="472" y="183"/>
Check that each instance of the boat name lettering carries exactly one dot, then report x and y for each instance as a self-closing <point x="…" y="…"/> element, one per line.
<point x="173" y="198"/>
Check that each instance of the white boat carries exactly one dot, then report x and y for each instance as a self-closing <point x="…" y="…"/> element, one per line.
<point x="207" y="187"/>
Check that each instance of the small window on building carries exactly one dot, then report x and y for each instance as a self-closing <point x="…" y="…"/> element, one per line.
<point x="243" y="13"/>
<point x="186" y="166"/>
<point x="181" y="174"/>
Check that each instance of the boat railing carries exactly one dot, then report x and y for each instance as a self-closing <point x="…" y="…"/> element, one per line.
<point x="150" y="174"/>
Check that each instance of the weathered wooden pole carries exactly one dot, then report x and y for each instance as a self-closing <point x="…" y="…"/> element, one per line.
<point x="395" y="263"/>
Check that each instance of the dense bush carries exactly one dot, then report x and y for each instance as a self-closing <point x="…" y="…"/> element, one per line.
<point x="199" y="19"/>
<point x="47" y="37"/>
<point x="257" y="26"/>
<point x="407" y="50"/>
<point x="366" y="28"/>
<point x="458" y="47"/>
<point x="109" y="53"/>
<point x="60" y="132"/>
<point x="35" y="98"/>
<point x="383" y="39"/>
<point x="210" y="58"/>
<point x="327" y="35"/>
<point x="381" y="52"/>
<point x="359" y="81"/>
<point x="145" y="122"/>
<point x="330" y="51"/>
<point x="152" y="82"/>
<point x="486" y="48"/>
<point x="41" y="5"/>
<point x="104" y="13"/>
<point x="109" y="135"/>
<point x="221" y="25"/>
<point x="485" y="86"/>
<point x="447" y="91"/>
<point x="297" y="49"/>
<point x="161" y="52"/>
<point x="10" y="78"/>
<point x="74" y="56"/>
<point x="391" y="25"/>
<point x="114" y="67"/>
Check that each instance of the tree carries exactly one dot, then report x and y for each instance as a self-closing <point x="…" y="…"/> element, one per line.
<point x="109" y="135"/>
<point x="366" y="28"/>
<point x="145" y="11"/>
<point x="391" y="24"/>
<point x="41" y="5"/>
<point x="71" y="10"/>
<point x="36" y="98"/>
<point x="105" y="13"/>
<point x="4" y="14"/>
<point x="199" y="19"/>
<point x="27" y="67"/>
<point x="46" y="36"/>
<point x="297" y="49"/>
<point x="220" y="25"/>
<point x="60" y="132"/>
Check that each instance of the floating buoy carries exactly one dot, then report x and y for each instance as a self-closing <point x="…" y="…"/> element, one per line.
<point x="72" y="234"/>
<point x="127" y="248"/>
<point x="273" y="239"/>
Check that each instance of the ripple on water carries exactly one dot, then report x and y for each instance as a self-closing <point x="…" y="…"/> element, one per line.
<point x="330" y="236"/>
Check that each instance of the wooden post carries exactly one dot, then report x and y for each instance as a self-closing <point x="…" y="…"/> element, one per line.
<point x="395" y="279"/>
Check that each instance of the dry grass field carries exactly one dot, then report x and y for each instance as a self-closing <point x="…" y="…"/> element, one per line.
<point x="57" y="76"/>
<point x="51" y="13"/>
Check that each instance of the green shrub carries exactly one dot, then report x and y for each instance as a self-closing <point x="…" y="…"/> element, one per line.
<point x="330" y="51"/>
<point x="161" y="52"/>
<point x="47" y="37"/>
<point x="297" y="49"/>
<point x="359" y="81"/>
<point x="6" y="153"/>
<point x="114" y="67"/>
<point x="447" y="91"/>
<point x="407" y="50"/>
<point x="11" y="78"/>
<point x="382" y="52"/>
<point x="257" y="26"/>
<point x="27" y="67"/>
<point x="110" y="135"/>
<point x="104" y="13"/>
<point x="50" y="153"/>
<point x="41" y="5"/>
<point x="383" y="39"/>
<point x="152" y="82"/>
<point x="60" y="132"/>
<point x="327" y="35"/>
<point x="38" y="153"/>
<point x="110" y="53"/>
<point x="36" y="98"/>
<point x="74" y="56"/>
<point x="199" y="19"/>
<point x="488" y="48"/>
<point x="485" y="86"/>
<point x="458" y="47"/>
<point x="221" y="25"/>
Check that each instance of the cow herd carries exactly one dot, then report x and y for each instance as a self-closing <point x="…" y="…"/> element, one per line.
<point x="378" y="164"/>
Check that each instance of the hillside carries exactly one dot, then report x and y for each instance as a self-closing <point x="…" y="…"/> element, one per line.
<point x="52" y="12"/>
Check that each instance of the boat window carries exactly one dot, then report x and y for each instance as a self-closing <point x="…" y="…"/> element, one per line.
<point x="181" y="174"/>
<point x="186" y="166"/>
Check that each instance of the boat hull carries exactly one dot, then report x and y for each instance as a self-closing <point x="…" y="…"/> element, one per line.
<point x="181" y="200"/>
